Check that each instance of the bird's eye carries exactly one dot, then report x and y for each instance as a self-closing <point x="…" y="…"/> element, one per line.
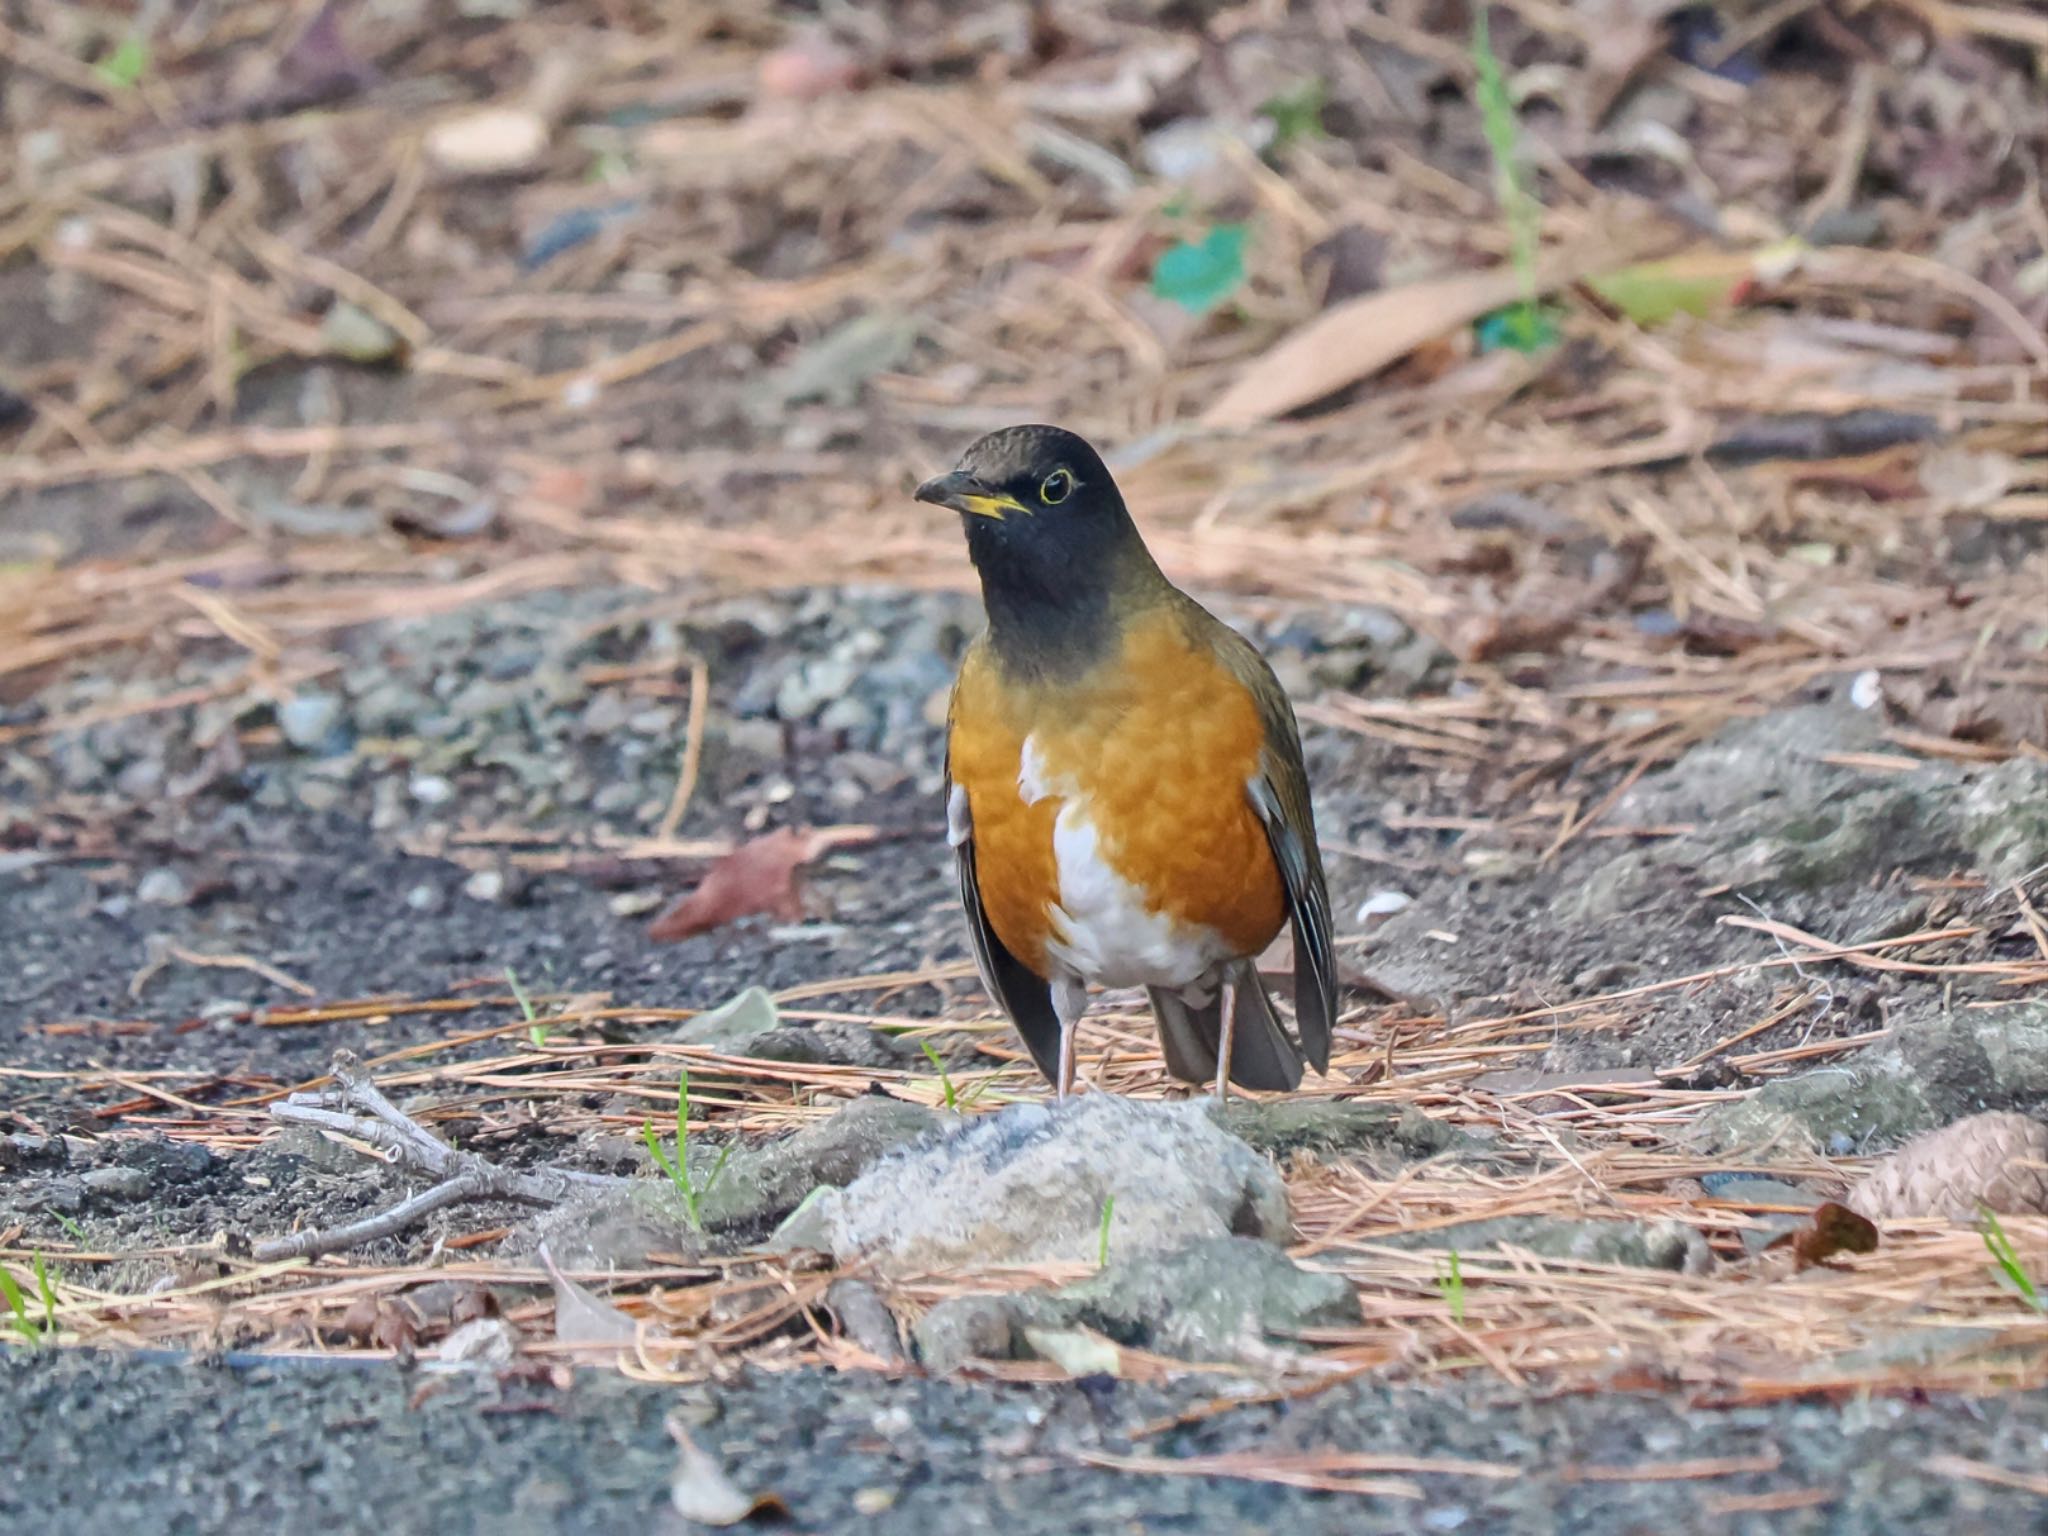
<point x="1056" y="488"/>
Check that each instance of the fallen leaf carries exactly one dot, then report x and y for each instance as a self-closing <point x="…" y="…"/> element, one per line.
<point x="1357" y="339"/>
<point x="758" y="876"/>
<point x="1198" y="276"/>
<point x="1696" y="282"/>
<point x="1077" y="1351"/>
<point x="582" y="1317"/>
<point x="1834" y="1229"/>
<point x="701" y="1491"/>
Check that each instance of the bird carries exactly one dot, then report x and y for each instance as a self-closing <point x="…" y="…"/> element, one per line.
<point x="1125" y="793"/>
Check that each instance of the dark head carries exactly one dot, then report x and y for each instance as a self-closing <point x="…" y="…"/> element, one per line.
<point x="1055" y="547"/>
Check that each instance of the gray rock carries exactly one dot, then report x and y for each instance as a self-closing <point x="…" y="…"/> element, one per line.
<point x="1937" y="1068"/>
<point x="1029" y="1184"/>
<point x="756" y="1187"/>
<point x="1639" y="1244"/>
<point x="116" y="1183"/>
<point x="65" y="1195"/>
<point x="1218" y="1299"/>
<point x="2004" y="818"/>
<point x="733" y="1025"/>
<point x="166" y="1161"/>
<point x="308" y="720"/>
<point x="749" y="1025"/>
<point x="762" y="1184"/>
<point x="964" y="1328"/>
<point x="1280" y="1125"/>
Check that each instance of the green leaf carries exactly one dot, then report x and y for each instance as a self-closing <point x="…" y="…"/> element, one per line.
<point x="1198" y="277"/>
<point x="1521" y="327"/>
<point x="1297" y="113"/>
<point x="126" y="65"/>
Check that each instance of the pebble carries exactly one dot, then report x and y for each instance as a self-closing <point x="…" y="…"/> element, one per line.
<point x="116" y="1183"/>
<point x="431" y="789"/>
<point x="615" y="799"/>
<point x="485" y="885"/>
<point x="424" y="898"/>
<point x="489" y="141"/>
<point x="319" y="794"/>
<point x="163" y="888"/>
<point x="308" y="719"/>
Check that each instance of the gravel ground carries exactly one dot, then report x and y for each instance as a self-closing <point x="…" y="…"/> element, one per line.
<point x="269" y="1447"/>
<point x="298" y="853"/>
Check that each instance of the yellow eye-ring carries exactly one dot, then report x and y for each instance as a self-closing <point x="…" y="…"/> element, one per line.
<point x="1056" y="488"/>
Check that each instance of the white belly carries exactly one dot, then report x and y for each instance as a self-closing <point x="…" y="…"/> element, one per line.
<point x="1103" y="929"/>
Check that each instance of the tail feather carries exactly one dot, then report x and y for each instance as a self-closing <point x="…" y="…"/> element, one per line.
<point x="1261" y="1054"/>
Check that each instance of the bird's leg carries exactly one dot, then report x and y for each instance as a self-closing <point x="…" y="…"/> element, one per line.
<point x="1069" y="1002"/>
<point x="1228" y="999"/>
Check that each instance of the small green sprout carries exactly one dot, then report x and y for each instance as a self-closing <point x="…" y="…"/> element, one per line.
<point x="945" y="1078"/>
<point x="1102" y="1238"/>
<point x="126" y="65"/>
<point x="1452" y="1284"/>
<point x="1296" y="113"/>
<point x="537" y="1031"/>
<point x="688" y="1189"/>
<point x="2007" y="1258"/>
<point x="32" y="1330"/>
<point x="1523" y="326"/>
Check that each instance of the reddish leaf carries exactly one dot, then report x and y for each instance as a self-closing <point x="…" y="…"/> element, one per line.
<point x="1834" y="1229"/>
<point x="757" y="876"/>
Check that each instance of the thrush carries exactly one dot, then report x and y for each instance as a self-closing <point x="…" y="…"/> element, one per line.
<point x="1125" y="794"/>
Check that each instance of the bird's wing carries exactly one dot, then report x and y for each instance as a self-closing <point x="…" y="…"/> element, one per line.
<point x="1279" y="793"/>
<point x="1025" y="997"/>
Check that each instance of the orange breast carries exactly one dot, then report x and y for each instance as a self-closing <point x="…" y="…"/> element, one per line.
<point x="1160" y="742"/>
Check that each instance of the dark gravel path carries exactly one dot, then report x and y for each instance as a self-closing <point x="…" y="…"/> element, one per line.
<point x="100" y="1444"/>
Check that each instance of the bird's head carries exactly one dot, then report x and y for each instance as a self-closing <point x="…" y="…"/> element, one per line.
<point x="1047" y="528"/>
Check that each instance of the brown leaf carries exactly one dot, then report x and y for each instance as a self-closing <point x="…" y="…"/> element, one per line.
<point x="1357" y="339"/>
<point x="758" y="876"/>
<point x="1834" y="1229"/>
<point x="1354" y="340"/>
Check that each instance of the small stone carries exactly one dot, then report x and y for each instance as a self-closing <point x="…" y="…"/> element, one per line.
<point x="319" y="794"/>
<point x="733" y="1025"/>
<point x="615" y="799"/>
<point x="66" y="1195"/>
<point x="482" y="1341"/>
<point x="431" y="789"/>
<point x="1221" y="1298"/>
<point x="354" y="334"/>
<point x="487" y="142"/>
<point x="965" y="1328"/>
<point x="163" y="888"/>
<point x="116" y="1183"/>
<point x="873" y="1501"/>
<point x="1384" y="904"/>
<point x="167" y="1161"/>
<point x="424" y="898"/>
<point x="485" y="885"/>
<point x="635" y="903"/>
